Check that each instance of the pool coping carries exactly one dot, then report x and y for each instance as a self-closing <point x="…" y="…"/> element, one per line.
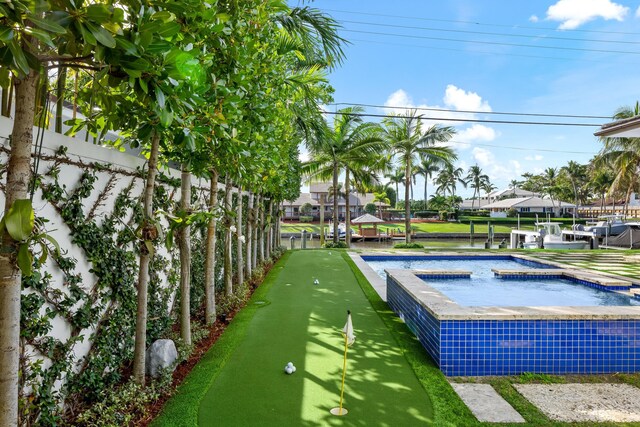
<point x="443" y="308"/>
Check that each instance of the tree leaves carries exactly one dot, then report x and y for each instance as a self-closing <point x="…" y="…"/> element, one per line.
<point x="47" y="25"/>
<point x="19" y="220"/>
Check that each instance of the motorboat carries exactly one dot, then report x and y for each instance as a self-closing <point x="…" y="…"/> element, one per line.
<point x="342" y="231"/>
<point x="552" y="237"/>
<point x="607" y="225"/>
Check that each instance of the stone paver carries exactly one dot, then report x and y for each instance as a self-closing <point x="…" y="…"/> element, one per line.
<point x="584" y="402"/>
<point x="486" y="404"/>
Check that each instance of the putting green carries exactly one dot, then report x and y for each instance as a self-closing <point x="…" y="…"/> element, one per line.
<point x="300" y="323"/>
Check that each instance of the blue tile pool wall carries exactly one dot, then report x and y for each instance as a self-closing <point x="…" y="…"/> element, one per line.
<point x="422" y="323"/>
<point x="492" y="347"/>
<point x="510" y="347"/>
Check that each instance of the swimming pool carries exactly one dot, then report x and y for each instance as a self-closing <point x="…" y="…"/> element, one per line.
<point x="483" y="287"/>
<point x="506" y="340"/>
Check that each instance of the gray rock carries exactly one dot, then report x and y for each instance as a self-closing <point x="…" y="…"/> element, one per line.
<point x="161" y="355"/>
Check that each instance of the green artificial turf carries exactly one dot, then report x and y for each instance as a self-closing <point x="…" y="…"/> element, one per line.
<point x="302" y="325"/>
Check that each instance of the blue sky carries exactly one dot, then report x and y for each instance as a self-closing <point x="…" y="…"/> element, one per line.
<point x="489" y="73"/>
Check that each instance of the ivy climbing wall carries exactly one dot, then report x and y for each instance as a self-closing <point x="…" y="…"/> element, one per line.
<point x="78" y="308"/>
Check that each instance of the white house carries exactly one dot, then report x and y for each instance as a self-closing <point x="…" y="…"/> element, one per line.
<point x="494" y="196"/>
<point x="530" y="204"/>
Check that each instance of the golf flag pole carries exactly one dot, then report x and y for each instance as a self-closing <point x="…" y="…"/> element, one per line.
<point x="349" y="338"/>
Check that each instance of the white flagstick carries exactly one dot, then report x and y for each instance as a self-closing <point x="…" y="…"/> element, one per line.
<point x="349" y="338"/>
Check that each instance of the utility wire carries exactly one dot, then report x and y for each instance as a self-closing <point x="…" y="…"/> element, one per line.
<point x="573" y="116"/>
<point x="378" y="33"/>
<point x="479" y="51"/>
<point x="526" y="27"/>
<point x="520" y="148"/>
<point x="443" y="119"/>
<point x="531" y="36"/>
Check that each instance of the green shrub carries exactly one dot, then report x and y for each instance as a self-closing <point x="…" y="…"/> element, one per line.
<point x="512" y="213"/>
<point x="306" y="218"/>
<point x="334" y="245"/>
<point x="306" y="209"/>
<point x="427" y="214"/>
<point x="370" y="208"/>
<point x="408" y="246"/>
<point x="123" y="404"/>
<point x="443" y="215"/>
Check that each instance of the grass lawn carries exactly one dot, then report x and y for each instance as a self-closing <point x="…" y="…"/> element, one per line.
<point x="245" y="383"/>
<point x="431" y="227"/>
<point x="391" y="380"/>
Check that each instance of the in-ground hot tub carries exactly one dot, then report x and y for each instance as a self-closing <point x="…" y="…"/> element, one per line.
<point x="504" y="340"/>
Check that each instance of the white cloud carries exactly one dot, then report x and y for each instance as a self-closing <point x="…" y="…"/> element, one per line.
<point x="536" y="158"/>
<point x="454" y="99"/>
<point x="460" y="99"/>
<point x="476" y="133"/>
<point x="638" y="12"/>
<point x="533" y="18"/>
<point x="573" y="13"/>
<point x="497" y="171"/>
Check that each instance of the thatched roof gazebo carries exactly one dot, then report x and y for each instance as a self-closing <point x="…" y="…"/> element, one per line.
<point x="367" y="219"/>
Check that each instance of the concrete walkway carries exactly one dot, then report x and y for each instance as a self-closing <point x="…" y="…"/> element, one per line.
<point x="486" y="404"/>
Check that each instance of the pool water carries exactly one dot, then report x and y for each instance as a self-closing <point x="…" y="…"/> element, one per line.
<point x="495" y="292"/>
<point x="484" y="289"/>
<point x="478" y="267"/>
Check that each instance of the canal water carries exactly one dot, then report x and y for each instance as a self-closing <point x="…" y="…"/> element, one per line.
<point x="428" y="243"/>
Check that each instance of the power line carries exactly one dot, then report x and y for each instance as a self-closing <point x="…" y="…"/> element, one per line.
<point x="525" y="27"/>
<point x="443" y="119"/>
<point x="573" y="116"/>
<point x="528" y="36"/>
<point x="491" y="43"/>
<point x="521" y="148"/>
<point x="478" y="51"/>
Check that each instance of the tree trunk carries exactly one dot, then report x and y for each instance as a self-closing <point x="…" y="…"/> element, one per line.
<point x="239" y="236"/>
<point x="336" y="238"/>
<point x="254" y="235"/>
<point x="407" y="204"/>
<point x="321" y="220"/>
<point x="185" y="260"/>
<point x="249" y="235"/>
<point x="60" y="91"/>
<point x="269" y="229"/>
<point x="7" y="95"/>
<point x="149" y="230"/>
<point x="425" y="193"/>
<point x="228" y="244"/>
<point x="210" y="261"/>
<point x="347" y="214"/>
<point x="18" y="180"/>
<point x="261" y="228"/>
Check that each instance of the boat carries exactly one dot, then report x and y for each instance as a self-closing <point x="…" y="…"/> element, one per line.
<point x="342" y="231"/>
<point x="552" y="237"/>
<point x="607" y="225"/>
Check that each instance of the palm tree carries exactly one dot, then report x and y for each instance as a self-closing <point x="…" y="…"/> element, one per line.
<point x="601" y="180"/>
<point x="549" y="187"/>
<point x="576" y="174"/>
<point x="477" y="180"/>
<point x="396" y="177"/>
<point x="348" y="144"/>
<point x="514" y="184"/>
<point x="448" y="179"/>
<point x="488" y="187"/>
<point x="381" y="198"/>
<point x="622" y="155"/>
<point x="407" y="141"/>
<point x="427" y="167"/>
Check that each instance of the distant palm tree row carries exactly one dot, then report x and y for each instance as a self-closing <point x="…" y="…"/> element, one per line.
<point x="402" y="148"/>
<point x="362" y="150"/>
